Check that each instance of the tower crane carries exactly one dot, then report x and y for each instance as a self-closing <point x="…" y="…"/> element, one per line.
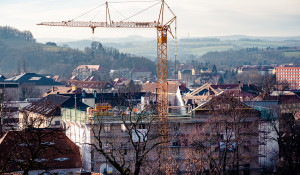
<point x="163" y="28"/>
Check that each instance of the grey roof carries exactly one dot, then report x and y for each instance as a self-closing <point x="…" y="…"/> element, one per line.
<point x="51" y="104"/>
<point x="266" y="104"/>
<point x="2" y="77"/>
<point x="268" y="109"/>
<point x="48" y="105"/>
<point x="33" y="78"/>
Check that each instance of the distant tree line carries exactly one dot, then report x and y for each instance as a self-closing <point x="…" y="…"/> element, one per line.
<point x="16" y="46"/>
<point x="251" y="56"/>
<point x="7" y="32"/>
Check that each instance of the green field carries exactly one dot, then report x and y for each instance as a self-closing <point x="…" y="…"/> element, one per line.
<point x="200" y="48"/>
<point x="292" y="54"/>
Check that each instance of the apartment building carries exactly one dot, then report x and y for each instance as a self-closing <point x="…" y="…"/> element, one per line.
<point x="290" y="75"/>
<point x="188" y="134"/>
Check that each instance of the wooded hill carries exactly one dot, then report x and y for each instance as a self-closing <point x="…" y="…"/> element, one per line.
<point x="17" y="47"/>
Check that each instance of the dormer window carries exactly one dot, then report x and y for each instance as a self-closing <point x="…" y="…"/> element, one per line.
<point x="40" y="160"/>
<point x="61" y="159"/>
<point x="48" y="143"/>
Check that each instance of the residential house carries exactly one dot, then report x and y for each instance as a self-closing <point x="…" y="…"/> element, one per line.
<point x="140" y="73"/>
<point x="120" y="73"/>
<point x="46" y="112"/>
<point x="91" y="86"/>
<point x="10" y="115"/>
<point x="63" y="90"/>
<point x="37" y="152"/>
<point x="32" y="85"/>
<point x="9" y="91"/>
<point x="84" y="71"/>
<point x="185" y="76"/>
<point x="262" y="70"/>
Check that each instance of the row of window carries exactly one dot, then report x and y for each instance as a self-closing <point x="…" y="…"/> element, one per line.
<point x="298" y="79"/>
<point x="288" y="72"/>
<point x="107" y="128"/>
<point x="288" y="69"/>
<point x="289" y="76"/>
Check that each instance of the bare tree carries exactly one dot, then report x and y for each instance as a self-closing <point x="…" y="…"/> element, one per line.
<point x="287" y="131"/>
<point x="229" y="138"/>
<point x="29" y="91"/>
<point x="29" y="144"/>
<point x="126" y="141"/>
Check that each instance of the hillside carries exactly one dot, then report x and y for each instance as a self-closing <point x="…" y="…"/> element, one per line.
<point x="16" y="46"/>
<point x="188" y="46"/>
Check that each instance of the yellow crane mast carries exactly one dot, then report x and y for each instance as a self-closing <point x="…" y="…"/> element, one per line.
<point x="163" y="28"/>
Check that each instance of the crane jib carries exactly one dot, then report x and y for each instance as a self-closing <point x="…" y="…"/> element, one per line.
<point x="102" y="24"/>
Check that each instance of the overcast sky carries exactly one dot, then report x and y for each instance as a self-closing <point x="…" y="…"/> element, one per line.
<point x="196" y="18"/>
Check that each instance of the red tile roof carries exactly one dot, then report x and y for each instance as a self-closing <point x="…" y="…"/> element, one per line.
<point x="52" y="149"/>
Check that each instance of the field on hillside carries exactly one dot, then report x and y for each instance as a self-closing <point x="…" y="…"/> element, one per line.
<point x="292" y="54"/>
<point x="199" y="48"/>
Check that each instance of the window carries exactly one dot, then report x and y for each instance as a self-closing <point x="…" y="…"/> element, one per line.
<point x="216" y="149"/>
<point x="31" y="120"/>
<point x="106" y="128"/>
<point x="60" y="159"/>
<point x="57" y="123"/>
<point x="247" y="148"/>
<point x="175" y="143"/>
<point x="124" y="148"/>
<point x="175" y="151"/>
<point x="247" y="169"/>
<point x="142" y="126"/>
<point x="123" y="128"/>
<point x="108" y="147"/>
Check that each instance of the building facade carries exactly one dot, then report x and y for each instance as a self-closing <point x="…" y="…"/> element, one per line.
<point x="290" y="75"/>
<point x="188" y="135"/>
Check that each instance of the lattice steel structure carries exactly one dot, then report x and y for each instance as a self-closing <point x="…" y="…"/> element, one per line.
<point x="163" y="28"/>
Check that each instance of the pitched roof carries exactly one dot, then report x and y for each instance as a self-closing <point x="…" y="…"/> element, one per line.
<point x="33" y="78"/>
<point x="140" y="70"/>
<point x="48" y="106"/>
<point x="93" y="67"/>
<point x="225" y="86"/>
<point x="56" y="150"/>
<point x="151" y="87"/>
<point x="90" y="78"/>
<point x="89" y="84"/>
<point x="62" y="90"/>
<point x="2" y="77"/>
<point x="223" y="100"/>
<point x="51" y="104"/>
<point x="74" y="78"/>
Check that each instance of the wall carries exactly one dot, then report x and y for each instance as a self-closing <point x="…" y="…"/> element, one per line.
<point x="268" y="147"/>
<point x="80" y="134"/>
